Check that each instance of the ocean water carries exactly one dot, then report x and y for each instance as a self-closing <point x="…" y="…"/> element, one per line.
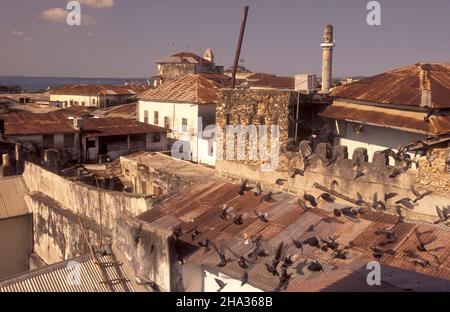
<point x="34" y="84"/>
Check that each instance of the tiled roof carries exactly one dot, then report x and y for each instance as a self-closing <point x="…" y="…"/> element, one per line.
<point x="12" y="192"/>
<point x="412" y="121"/>
<point x="56" y="278"/>
<point x="125" y="111"/>
<point x="194" y="89"/>
<point x="85" y="89"/>
<point x="198" y="208"/>
<point x="402" y="86"/>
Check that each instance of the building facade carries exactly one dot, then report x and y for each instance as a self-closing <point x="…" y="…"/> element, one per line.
<point x="99" y="96"/>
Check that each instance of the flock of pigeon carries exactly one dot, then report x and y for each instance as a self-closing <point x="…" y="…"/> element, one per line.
<point x="278" y="262"/>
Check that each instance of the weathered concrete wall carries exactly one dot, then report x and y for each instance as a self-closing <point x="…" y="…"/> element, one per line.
<point x="100" y="205"/>
<point x="147" y="180"/>
<point x="58" y="231"/>
<point x="16" y="244"/>
<point x="150" y="250"/>
<point x="375" y="180"/>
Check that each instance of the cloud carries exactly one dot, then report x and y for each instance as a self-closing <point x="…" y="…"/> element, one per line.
<point x="16" y="33"/>
<point x="54" y="15"/>
<point x="58" y="15"/>
<point x="98" y="4"/>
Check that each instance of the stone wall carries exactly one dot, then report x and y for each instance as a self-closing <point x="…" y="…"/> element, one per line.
<point x="254" y="107"/>
<point x="437" y="176"/>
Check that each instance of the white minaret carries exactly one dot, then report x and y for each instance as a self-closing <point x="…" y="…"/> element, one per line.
<point x="327" y="57"/>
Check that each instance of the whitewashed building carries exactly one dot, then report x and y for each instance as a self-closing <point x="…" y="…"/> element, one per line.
<point x="179" y="106"/>
<point x="392" y="109"/>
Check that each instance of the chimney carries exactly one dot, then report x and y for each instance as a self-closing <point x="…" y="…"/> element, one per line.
<point x="305" y="82"/>
<point x="425" y="87"/>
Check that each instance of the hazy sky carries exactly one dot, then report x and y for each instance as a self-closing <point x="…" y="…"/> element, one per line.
<point x="125" y="37"/>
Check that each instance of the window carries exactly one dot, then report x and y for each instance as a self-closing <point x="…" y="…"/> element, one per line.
<point x="228" y="119"/>
<point x="71" y="102"/>
<point x="167" y="122"/>
<point x="184" y="124"/>
<point x="47" y="141"/>
<point x="107" y="102"/>
<point x="69" y="140"/>
<point x="146" y="117"/>
<point x="83" y="103"/>
<point x="76" y="103"/>
<point x="155" y="118"/>
<point x="93" y="101"/>
<point x="90" y="143"/>
<point x="157" y="138"/>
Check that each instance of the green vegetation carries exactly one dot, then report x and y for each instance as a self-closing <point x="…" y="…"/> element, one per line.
<point x="10" y="89"/>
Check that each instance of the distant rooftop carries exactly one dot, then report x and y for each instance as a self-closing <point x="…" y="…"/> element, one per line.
<point x="12" y="192"/>
<point x="194" y="89"/>
<point x="184" y="57"/>
<point x="85" y="89"/>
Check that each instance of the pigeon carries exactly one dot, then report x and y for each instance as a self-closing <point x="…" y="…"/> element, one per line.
<point x="225" y="213"/>
<point x="359" y="171"/>
<point x="311" y="199"/>
<point x="337" y="212"/>
<point x="239" y="218"/>
<point x="195" y="234"/>
<point x="302" y="204"/>
<point x="359" y="201"/>
<point x="330" y="243"/>
<point x="267" y="198"/>
<point x="272" y="267"/>
<point x="297" y="172"/>
<point x="312" y="241"/>
<point x="243" y="188"/>
<point x="398" y="210"/>
<point x="244" y="279"/>
<point x="261" y="216"/>
<point x="390" y="236"/>
<point x="388" y="196"/>
<point x="419" y="196"/>
<point x="297" y="243"/>
<point x="177" y="232"/>
<point x="223" y="259"/>
<point x="315" y="266"/>
<point x="422" y="246"/>
<point x="327" y="197"/>
<point x="221" y="284"/>
<point x="340" y="254"/>
<point x="401" y="168"/>
<point x="406" y="202"/>
<point x="443" y="214"/>
<point x="349" y="212"/>
<point x="242" y="262"/>
<point x="311" y="228"/>
<point x="334" y="184"/>
<point x="258" y="190"/>
<point x="280" y="181"/>
<point x="417" y="260"/>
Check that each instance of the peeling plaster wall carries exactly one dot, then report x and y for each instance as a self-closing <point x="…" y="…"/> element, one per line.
<point x="57" y="232"/>
<point x="150" y="250"/>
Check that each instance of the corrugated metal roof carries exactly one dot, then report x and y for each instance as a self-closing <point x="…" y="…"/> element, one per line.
<point x="194" y="89"/>
<point x="402" y="86"/>
<point x="55" y="277"/>
<point x="12" y="192"/>
<point x="29" y="124"/>
<point x="198" y="208"/>
<point x="387" y="117"/>
<point x="109" y="126"/>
